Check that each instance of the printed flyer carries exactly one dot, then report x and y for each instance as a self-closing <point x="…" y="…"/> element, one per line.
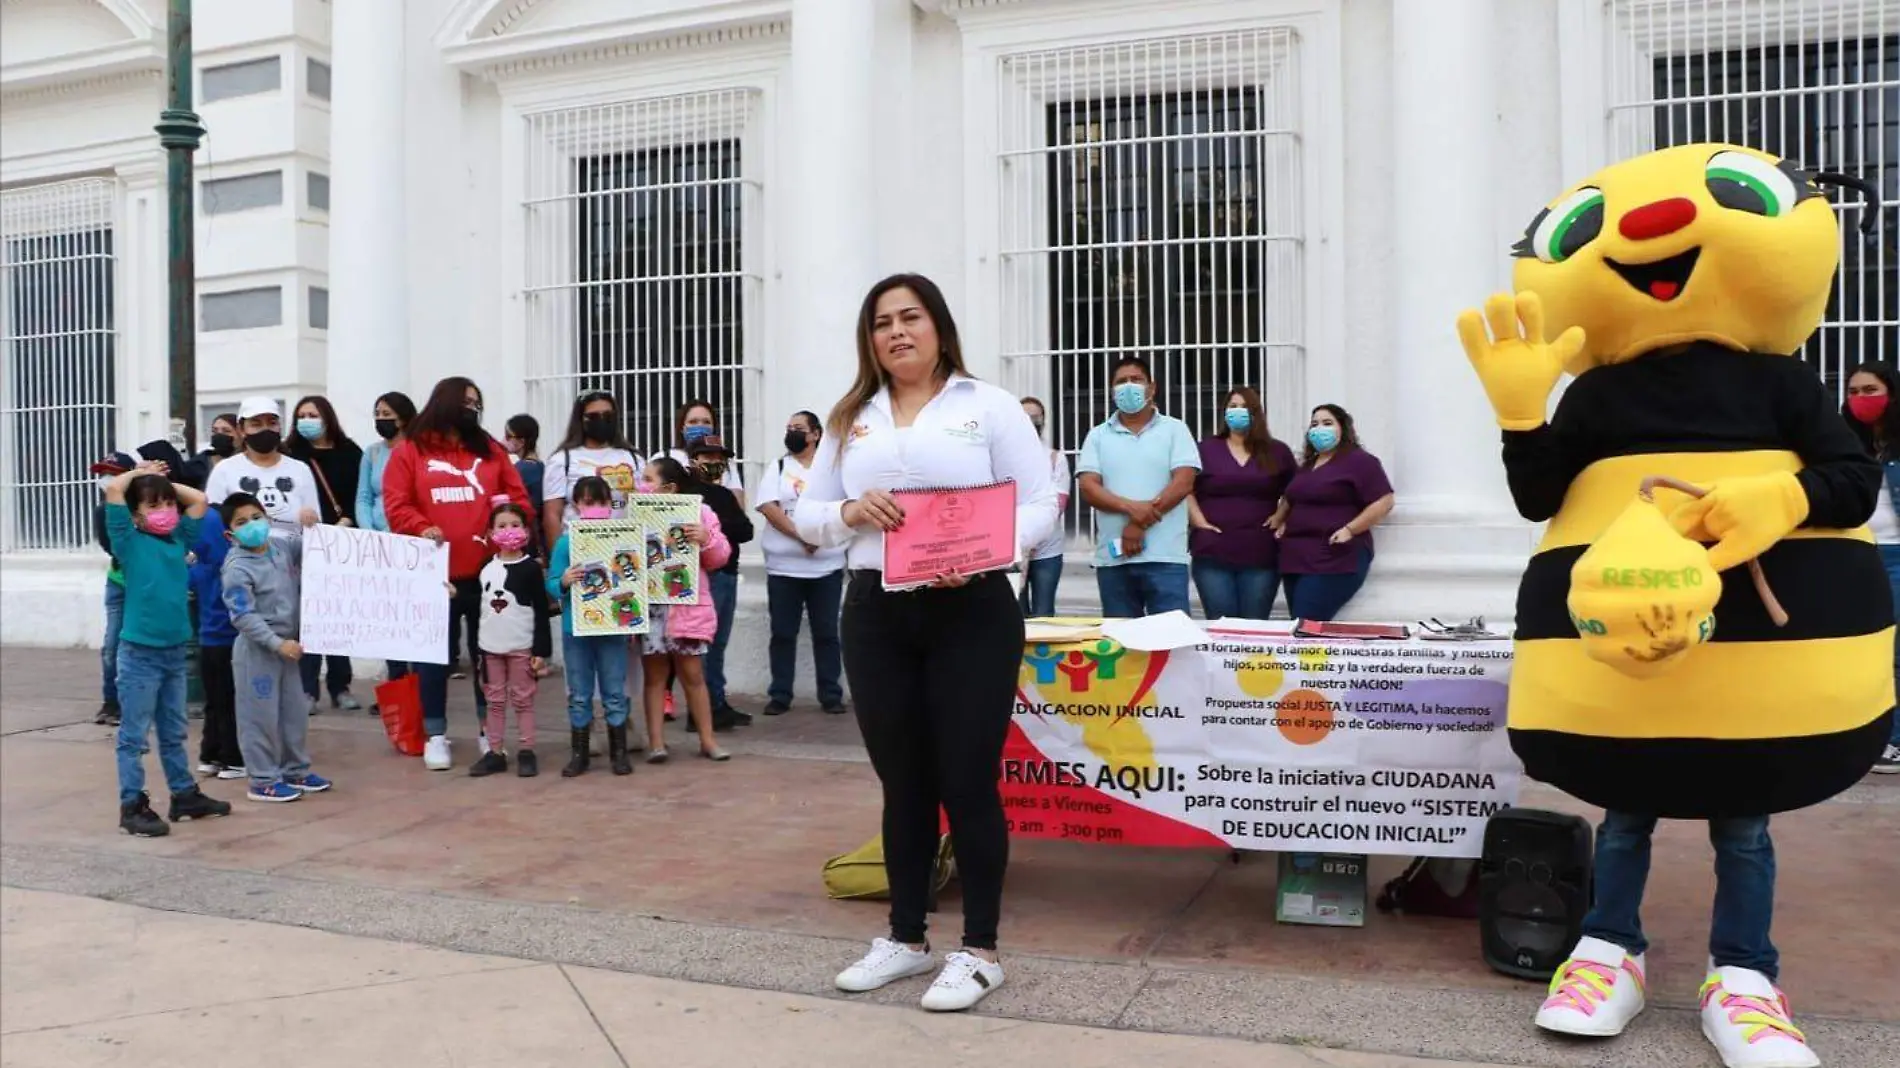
<point x="672" y="560"/>
<point x="1263" y="742"/>
<point x="611" y="597"/>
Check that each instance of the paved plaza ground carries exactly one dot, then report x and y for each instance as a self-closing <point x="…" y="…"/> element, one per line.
<point x="437" y="919"/>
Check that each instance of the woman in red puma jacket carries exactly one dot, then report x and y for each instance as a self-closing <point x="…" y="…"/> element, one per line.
<point x="442" y="483"/>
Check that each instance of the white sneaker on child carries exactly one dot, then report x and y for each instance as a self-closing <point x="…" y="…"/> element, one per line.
<point x="1748" y="1022"/>
<point x="966" y="979"/>
<point x="887" y="962"/>
<point x="1596" y="993"/>
<point x="435" y="755"/>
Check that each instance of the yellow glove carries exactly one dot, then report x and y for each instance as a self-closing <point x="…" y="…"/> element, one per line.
<point x="1643" y="595"/>
<point x="1518" y="368"/>
<point x="1743" y="516"/>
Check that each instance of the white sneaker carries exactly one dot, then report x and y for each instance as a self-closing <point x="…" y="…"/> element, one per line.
<point x="1889" y="762"/>
<point x="435" y="755"/>
<point x="234" y="773"/>
<point x="1748" y="1022"/>
<point x="1596" y="993"/>
<point x="482" y="743"/>
<point x="965" y="980"/>
<point x="887" y="962"/>
<point x="209" y="768"/>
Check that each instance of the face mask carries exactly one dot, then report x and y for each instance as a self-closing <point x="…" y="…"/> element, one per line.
<point x="469" y="418"/>
<point x="1868" y="409"/>
<point x="1322" y="438"/>
<point x="510" y="539"/>
<point x="310" y="429"/>
<point x="598" y="428"/>
<point x="643" y="486"/>
<point x="697" y="433"/>
<point x="1131" y="398"/>
<point x="1037" y="423"/>
<point x="161" y="521"/>
<point x="223" y="444"/>
<point x="796" y="440"/>
<point x="252" y="534"/>
<point x="513" y="446"/>
<point x="594" y="511"/>
<point x="386" y="429"/>
<point x="711" y="472"/>
<point x="263" y="442"/>
<point x="1239" y="419"/>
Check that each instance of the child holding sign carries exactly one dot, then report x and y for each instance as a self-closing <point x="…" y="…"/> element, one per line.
<point x="682" y="633"/>
<point x="262" y="592"/>
<point x="514" y="639"/>
<point x="594" y="662"/>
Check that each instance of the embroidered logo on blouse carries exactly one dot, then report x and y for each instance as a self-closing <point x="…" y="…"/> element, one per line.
<point x="970" y="431"/>
<point x="859" y="430"/>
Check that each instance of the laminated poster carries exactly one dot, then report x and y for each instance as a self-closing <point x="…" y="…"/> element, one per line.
<point x="672" y="560"/>
<point x="611" y="596"/>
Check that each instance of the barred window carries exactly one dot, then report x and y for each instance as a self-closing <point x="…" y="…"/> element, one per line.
<point x="640" y="276"/>
<point x="57" y="328"/>
<point x="1816" y="82"/>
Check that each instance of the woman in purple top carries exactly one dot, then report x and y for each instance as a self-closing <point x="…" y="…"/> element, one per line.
<point x="1326" y="518"/>
<point x="1244" y="470"/>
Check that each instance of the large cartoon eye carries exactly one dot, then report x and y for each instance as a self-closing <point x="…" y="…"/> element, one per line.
<point x="1748" y="183"/>
<point x="1562" y="230"/>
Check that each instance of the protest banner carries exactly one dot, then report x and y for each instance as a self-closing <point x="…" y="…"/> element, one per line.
<point x="1263" y="742"/>
<point x="672" y="559"/>
<point x="611" y="596"/>
<point x="374" y="595"/>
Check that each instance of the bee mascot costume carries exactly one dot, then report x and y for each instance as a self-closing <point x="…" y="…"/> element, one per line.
<point x="1706" y="630"/>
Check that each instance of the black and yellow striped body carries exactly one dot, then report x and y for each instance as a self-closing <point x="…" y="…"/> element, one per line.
<point x="1761" y="719"/>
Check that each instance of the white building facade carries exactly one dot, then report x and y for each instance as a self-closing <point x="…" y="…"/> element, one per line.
<point x="673" y="199"/>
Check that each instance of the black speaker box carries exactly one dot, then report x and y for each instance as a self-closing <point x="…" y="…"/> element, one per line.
<point x="1534" y="886"/>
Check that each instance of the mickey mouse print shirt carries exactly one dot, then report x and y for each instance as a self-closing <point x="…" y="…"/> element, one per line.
<point x="285" y="488"/>
<point x="970" y="434"/>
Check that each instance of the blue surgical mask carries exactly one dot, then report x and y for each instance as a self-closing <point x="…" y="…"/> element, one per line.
<point x="310" y="429"/>
<point x="1239" y="419"/>
<point x="1131" y="397"/>
<point x="695" y="434"/>
<point x="1322" y="438"/>
<point x="254" y="534"/>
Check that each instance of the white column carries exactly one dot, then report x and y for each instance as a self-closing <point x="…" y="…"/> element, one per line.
<point x="829" y="257"/>
<point x="1445" y="117"/>
<point x="369" y="332"/>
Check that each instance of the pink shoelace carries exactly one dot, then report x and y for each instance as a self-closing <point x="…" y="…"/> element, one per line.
<point x="1758" y="1017"/>
<point x="1583" y="985"/>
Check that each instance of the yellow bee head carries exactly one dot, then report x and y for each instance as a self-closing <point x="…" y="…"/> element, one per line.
<point x="1705" y="242"/>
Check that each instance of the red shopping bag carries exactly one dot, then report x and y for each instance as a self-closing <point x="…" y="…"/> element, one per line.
<point x="400" y="701"/>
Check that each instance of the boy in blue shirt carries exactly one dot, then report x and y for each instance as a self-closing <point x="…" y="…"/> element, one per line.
<point x="218" y="752"/>
<point x="150" y="540"/>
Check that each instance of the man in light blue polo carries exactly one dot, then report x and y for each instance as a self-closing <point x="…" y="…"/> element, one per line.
<point x="1136" y="469"/>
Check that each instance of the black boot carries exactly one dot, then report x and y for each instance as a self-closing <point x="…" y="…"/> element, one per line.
<point x="577" y="763"/>
<point x="617" y="750"/>
<point x="192" y="804"/>
<point x="136" y="818"/>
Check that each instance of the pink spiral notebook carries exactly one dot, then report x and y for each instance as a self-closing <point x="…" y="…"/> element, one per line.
<point x="965" y="529"/>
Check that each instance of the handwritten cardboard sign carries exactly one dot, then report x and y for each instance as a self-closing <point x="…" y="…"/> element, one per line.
<point x="373" y="595"/>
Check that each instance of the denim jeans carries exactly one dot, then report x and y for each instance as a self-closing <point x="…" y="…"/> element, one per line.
<point x="465" y="610"/>
<point x="789" y="601"/>
<point x="1744" y="889"/>
<point x="1890" y="555"/>
<point x="152" y="695"/>
<point x="109" y="652"/>
<point x="1321" y="597"/>
<point x="311" y="668"/>
<point x="1130" y="591"/>
<point x="1040" y="579"/>
<point x="595" y="664"/>
<point x="1242" y="592"/>
<point x="725" y="595"/>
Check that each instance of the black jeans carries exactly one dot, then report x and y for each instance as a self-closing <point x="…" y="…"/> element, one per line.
<point x="342" y="673"/>
<point x="218" y="744"/>
<point x="933" y="673"/>
<point x="465" y="610"/>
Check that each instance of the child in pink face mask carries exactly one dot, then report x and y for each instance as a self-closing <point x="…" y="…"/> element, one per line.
<point x="515" y="640"/>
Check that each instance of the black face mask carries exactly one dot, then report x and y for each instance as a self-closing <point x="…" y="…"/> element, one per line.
<point x="223" y="444"/>
<point x="711" y="472"/>
<point x="263" y="442"/>
<point x="796" y="440"/>
<point x="468" y="418"/>
<point x="387" y="429"/>
<point x="598" y="428"/>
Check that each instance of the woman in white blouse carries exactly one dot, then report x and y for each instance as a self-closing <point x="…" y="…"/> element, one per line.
<point x="932" y="671"/>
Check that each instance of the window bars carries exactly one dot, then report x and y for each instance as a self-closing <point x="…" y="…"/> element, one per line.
<point x="641" y="261"/>
<point x="1150" y="205"/>
<point x="57" y="333"/>
<point x="1817" y="81"/>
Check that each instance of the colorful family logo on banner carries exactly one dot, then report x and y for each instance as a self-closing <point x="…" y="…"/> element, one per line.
<point x="1263" y="743"/>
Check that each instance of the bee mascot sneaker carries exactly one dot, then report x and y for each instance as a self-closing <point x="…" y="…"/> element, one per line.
<point x="1706" y="630"/>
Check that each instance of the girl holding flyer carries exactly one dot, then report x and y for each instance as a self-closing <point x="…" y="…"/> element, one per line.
<point x="681" y="634"/>
<point x="594" y="662"/>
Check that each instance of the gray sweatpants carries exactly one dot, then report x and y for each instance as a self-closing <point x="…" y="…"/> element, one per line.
<point x="273" y="714"/>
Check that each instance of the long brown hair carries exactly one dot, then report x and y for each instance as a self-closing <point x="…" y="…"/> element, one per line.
<point x="870" y="373"/>
<point x="1259" y="440"/>
<point x="438" y="426"/>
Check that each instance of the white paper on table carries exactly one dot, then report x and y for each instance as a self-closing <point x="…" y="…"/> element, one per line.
<point x="1153" y="634"/>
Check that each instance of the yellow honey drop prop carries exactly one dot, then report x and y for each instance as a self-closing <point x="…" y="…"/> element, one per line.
<point x="1643" y="595"/>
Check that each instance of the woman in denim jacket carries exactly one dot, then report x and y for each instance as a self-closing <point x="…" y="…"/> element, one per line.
<point x="1875" y="416"/>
